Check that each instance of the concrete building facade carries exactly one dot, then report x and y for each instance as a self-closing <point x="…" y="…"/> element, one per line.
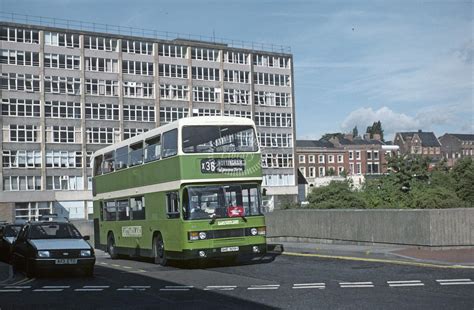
<point x="67" y="92"/>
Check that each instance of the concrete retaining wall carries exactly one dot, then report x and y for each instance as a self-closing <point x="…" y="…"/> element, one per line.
<point x="86" y="228"/>
<point x="447" y="227"/>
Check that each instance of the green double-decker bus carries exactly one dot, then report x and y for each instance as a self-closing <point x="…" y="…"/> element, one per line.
<point x="186" y="190"/>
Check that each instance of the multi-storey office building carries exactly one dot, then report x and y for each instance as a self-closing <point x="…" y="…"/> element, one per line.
<point x="67" y="93"/>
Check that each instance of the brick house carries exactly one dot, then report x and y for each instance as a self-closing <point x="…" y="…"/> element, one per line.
<point x="419" y="142"/>
<point x="456" y="146"/>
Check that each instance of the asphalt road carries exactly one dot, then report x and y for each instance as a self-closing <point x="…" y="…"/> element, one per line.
<point x="288" y="282"/>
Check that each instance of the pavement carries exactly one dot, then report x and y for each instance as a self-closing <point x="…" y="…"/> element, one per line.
<point x="446" y="256"/>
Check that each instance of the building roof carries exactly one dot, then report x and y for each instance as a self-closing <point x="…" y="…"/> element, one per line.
<point x="462" y="137"/>
<point x="428" y="138"/>
<point x="314" y="143"/>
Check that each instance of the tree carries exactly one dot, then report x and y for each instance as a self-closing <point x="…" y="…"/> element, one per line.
<point x="337" y="194"/>
<point x="328" y="136"/>
<point x="355" y="132"/>
<point x="376" y="128"/>
<point x="463" y="175"/>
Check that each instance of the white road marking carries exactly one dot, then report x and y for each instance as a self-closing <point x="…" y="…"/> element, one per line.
<point x="10" y="291"/>
<point x="16" y="286"/>
<point x="356" y="284"/>
<point x="264" y="287"/>
<point x="115" y="265"/>
<point x="139" y="286"/>
<point x="304" y="284"/>
<point x="309" y="286"/>
<point x="454" y="280"/>
<point x="220" y="287"/>
<point x="48" y="290"/>
<point x="125" y="289"/>
<point x="96" y="286"/>
<point x="456" y="283"/>
<point x="174" y="289"/>
<point x="88" y="289"/>
<point x="403" y="283"/>
<point x="127" y="267"/>
<point x="56" y="286"/>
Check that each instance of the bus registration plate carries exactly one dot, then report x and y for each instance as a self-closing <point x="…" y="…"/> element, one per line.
<point x="230" y="249"/>
<point x="66" y="261"/>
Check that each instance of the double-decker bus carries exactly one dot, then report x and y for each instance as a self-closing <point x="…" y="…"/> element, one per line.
<point x="186" y="190"/>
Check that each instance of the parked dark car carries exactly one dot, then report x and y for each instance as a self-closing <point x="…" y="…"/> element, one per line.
<point x="52" y="246"/>
<point x="8" y="233"/>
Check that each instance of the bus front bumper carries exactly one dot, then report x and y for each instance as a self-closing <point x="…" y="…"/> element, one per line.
<point x="245" y="251"/>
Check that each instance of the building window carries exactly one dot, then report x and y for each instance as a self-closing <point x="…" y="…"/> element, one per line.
<point x="369" y="155"/>
<point x="204" y="54"/>
<point x="20" y="58"/>
<point x="206" y="74"/>
<point x="64" y="183"/>
<point x="340" y="170"/>
<point x="138" y="90"/>
<point x="62" y="109"/>
<point x="238" y="113"/>
<point x="376" y="155"/>
<point x="63" y="134"/>
<point x="270" y="160"/>
<point x="268" y="119"/>
<point x="137" y="47"/>
<point x="358" y="169"/>
<point x="101" y="135"/>
<point x="322" y="171"/>
<point x="301" y="159"/>
<point x="21" y="159"/>
<point x="61" y="39"/>
<point x="236" y="57"/>
<point x="138" y="67"/>
<point x="24" y="82"/>
<point x="312" y="159"/>
<point x="174" y="92"/>
<point x="60" y="61"/>
<point x="340" y="158"/>
<point x="102" y="87"/>
<point x="21" y="133"/>
<point x="206" y="112"/>
<point x="261" y="78"/>
<point x="102" y="44"/>
<point x="312" y="172"/>
<point x="321" y="159"/>
<point x="171" y="114"/>
<point x="102" y="111"/>
<point x="351" y="155"/>
<point x="21" y="107"/>
<point x="271" y="61"/>
<point x="138" y="113"/>
<point x="175" y="51"/>
<point x="272" y="99"/>
<point x="173" y="71"/>
<point x="358" y="155"/>
<point x="276" y="140"/>
<point x="132" y="132"/>
<point x="236" y="96"/>
<point x="331" y="159"/>
<point x="62" y="85"/>
<point x="303" y="171"/>
<point x="236" y="76"/>
<point x="278" y="180"/>
<point x="206" y="94"/>
<point x="19" y="35"/>
<point x="22" y="183"/>
<point x="96" y="64"/>
<point x="63" y="159"/>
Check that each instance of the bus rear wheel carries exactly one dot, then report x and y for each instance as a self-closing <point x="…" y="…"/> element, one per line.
<point x="111" y="247"/>
<point x="159" y="254"/>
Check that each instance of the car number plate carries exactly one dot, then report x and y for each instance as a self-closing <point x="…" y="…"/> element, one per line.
<point x="66" y="261"/>
<point x="230" y="249"/>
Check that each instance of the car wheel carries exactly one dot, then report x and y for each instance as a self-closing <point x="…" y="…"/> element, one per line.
<point x="30" y="269"/>
<point x="159" y="253"/>
<point x="111" y="247"/>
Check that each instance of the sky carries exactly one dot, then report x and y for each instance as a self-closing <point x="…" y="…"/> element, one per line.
<point x="407" y="63"/>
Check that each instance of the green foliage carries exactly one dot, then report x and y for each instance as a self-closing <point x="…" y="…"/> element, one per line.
<point x="355" y="132"/>
<point x="376" y="128"/>
<point x="329" y="136"/>
<point x="410" y="184"/>
<point x="338" y="194"/>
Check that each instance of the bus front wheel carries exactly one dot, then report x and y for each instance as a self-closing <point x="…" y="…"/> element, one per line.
<point x="159" y="255"/>
<point x="111" y="247"/>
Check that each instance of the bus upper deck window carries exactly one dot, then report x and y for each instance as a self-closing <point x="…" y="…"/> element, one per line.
<point x="136" y="154"/>
<point x="153" y="148"/>
<point x="108" y="165"/>
<point x="121" y="158"/>
<point x="98" y="165"/>
<point x="170" y="143"/>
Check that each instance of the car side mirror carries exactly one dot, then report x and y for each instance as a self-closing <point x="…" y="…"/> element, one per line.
<point x="87" y="238"/>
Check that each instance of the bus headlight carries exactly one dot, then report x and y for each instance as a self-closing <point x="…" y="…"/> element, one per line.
<point x="253" y="231"/>
<point x="262" y="231"/>
<point x="43" y="254"/>
<point x="202" y="235"/>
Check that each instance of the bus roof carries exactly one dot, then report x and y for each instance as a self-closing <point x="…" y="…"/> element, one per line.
<point x="187" y="121"/>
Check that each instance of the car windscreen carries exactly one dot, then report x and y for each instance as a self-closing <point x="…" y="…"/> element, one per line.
<point x="11" y="230"/>
<point x="54" y="231"/>
<point x="219" y="139"/>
